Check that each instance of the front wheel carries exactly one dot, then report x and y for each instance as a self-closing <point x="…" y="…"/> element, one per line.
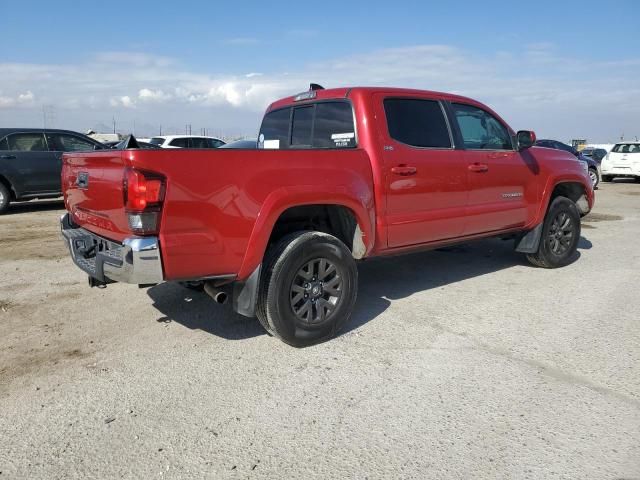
<point x="560" y="235"/>
<point x="5" y="197"/>
<point x="593" y="175"/>
<point x="308" y="288"/>
<point x="607" y="178"/>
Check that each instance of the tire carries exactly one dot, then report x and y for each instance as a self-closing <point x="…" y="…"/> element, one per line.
<point x="558" y="244"/>
<point x="308" y="288"/>
<point x="607" y="178"/>
<point x="5" y="198"/>
<point x="593" y="175"/>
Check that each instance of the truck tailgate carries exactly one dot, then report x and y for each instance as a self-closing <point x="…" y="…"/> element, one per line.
<point x="93" y="192"/>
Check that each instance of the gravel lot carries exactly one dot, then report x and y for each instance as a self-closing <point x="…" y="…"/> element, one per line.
<point x="460" y="363"/>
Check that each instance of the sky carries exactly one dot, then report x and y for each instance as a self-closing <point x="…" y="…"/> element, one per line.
<point x="566" y="69"/>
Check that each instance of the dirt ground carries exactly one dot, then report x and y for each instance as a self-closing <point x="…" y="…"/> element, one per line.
<point x="460" y="363"/>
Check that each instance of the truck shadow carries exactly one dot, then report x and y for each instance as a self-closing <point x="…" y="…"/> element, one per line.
<point x="197" y="311"/>
<point x="35" y="206"/>
<point x="381" y="280"/>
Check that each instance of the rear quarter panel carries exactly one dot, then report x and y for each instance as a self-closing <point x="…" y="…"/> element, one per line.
<point x="221" y="205"/>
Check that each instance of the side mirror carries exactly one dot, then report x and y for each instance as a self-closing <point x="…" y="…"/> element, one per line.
<point x="526" y="139"/>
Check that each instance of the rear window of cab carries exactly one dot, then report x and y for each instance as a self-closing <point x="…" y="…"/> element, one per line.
<point x="626" y="148"/>
<point x="318" y="125"/>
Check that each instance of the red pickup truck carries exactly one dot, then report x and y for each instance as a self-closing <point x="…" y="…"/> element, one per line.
<point x="338" y="175"/>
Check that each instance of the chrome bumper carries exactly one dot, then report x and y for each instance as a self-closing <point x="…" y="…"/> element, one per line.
<point x="135" y="260"/>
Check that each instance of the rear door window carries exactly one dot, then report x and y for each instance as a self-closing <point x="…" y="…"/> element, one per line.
<point x="62" y="142"/>
<point x="198" y="142"/>
<point x="480" y="130"/>
<point x="27" y="142"/>
<point x="180" y="142"/>
<point x="416" y="122"/>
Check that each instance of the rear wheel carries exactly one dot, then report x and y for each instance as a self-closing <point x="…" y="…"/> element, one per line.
<point x="308" y="288"/>
<point x="607" y="178"/>
<point x="5" y="198"/>
<point x="560" y="235"/>
<point x="593" y="175"/>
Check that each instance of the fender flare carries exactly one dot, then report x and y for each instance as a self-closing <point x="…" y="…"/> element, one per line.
<point x="281" y="199"/>
<point x="550" y="186"/>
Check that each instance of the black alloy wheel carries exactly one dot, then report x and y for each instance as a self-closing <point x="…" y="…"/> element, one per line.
<point x="316" y="291"/>
<point x="561" y="233"/>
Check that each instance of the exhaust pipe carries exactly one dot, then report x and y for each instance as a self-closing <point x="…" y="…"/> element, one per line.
<point x="218" y="295"/>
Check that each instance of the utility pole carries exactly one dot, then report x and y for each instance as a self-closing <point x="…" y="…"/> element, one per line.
<point x="160" y="130"/>
<point x="114" y="124"/>
<point x="48" y="116"/>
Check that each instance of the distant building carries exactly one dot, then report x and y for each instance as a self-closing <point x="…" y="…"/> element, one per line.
<point x="579" y="143"/>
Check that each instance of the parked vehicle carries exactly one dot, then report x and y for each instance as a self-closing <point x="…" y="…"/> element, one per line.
<point x="140" y="144"/>
<point x="245" y="144"/>
<point x="31" y="161"/>
<point x="340" y="175"/>
<point x="186" y="141"/>
<point x="622" y="161"/>
<point x="589" y="163"/>
<point x="596" y="154"/>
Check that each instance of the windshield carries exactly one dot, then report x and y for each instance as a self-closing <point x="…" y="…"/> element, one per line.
<point x="627" y="148"/>
<point x="156" y="141"/>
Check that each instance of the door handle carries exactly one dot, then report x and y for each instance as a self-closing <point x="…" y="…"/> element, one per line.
<point x="7" y="157"/>
<point x="479" y="167"/>
<point x="404" y="170"/>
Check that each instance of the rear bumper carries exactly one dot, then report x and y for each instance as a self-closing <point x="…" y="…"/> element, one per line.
<point x="630" y="170"/>
<point x="135" y="260"/>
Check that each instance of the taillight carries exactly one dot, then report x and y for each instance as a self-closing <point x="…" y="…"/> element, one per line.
<point x="143" y="196"/>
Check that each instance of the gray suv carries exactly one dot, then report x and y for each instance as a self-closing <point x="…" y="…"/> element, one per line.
<point x="31" y="161"/>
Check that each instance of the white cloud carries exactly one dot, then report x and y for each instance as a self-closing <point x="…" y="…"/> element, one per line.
<point x="26" y="97"/>
<point x="134" y="59"/>
<point x="559" y="97"/>
<point x="21" y="99"/>
<point x="241" y="41"/>
<point x="148" y="95"/>
<point x="123" y="101"/>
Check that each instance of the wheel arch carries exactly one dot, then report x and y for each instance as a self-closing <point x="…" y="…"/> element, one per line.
<point x="5" y="181"/>
<point x="338" y="213"/>
<point x="570" y="187"/>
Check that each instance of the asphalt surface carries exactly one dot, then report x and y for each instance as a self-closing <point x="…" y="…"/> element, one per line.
<point x="460" y="363"/>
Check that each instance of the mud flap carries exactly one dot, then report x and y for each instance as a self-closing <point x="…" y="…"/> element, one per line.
<point x="245" y="294"/>
<point x="530" y="241"/>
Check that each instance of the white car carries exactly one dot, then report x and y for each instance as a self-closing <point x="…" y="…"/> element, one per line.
<point x="622" y="161"/>
<point x="186" y="141"/>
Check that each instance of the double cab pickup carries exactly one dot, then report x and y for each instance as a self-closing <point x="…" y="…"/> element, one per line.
<point x="338" y="175"/>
